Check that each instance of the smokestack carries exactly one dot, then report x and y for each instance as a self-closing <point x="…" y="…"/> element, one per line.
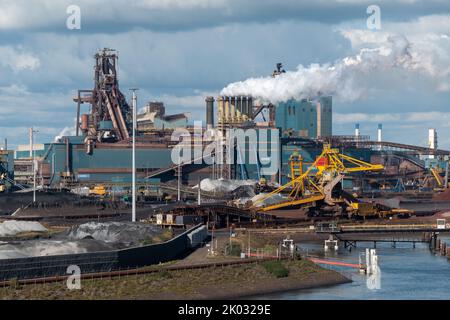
<point x="227" y="109"/>
<point x="357" y="130"/>
<point x="380" y="128"/>
<point x="250" y="107"/>
<point x="244" y="108"/>
<point x="220" y="109"/>
<point x="233" y="109"/>
<point x="209" y="112"/>
<point x="432" y="140"/>
<point x="239" y="114"/>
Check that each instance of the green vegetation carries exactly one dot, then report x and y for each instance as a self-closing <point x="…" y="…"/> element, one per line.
<point x="162" y="237"/>
<point x="276" y="268"/>
<point x="175" y="284"/>
<point x="234" y="250"/>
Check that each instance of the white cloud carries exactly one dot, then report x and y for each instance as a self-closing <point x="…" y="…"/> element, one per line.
<point x="179" y="4"/>
<point x="180" y="15"/>
<point x="17" y="59"/>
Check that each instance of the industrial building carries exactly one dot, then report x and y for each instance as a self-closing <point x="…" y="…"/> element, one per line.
<point x="100" y="151"/>
<point x="305" y="118"/>
<point x="154" y="118"/>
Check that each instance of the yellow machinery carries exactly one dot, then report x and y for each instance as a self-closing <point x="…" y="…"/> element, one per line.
<point x="367" y="209"/>
<point x="438" y="177"/>
<point x="318" y="181"/>
<point x="98" y="190"/>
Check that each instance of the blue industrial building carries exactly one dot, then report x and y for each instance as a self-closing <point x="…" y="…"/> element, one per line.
<point x="305" y="118"/>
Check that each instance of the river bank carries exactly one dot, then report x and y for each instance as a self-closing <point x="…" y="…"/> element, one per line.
<point x="228" y="282"/>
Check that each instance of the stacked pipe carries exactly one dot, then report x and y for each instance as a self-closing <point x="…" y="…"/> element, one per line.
<point x="236" y="109"/>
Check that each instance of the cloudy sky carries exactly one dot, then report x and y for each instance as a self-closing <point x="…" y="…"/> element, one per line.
<point x="180" y="51"/>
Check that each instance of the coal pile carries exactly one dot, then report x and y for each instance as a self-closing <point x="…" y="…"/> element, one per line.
<point x="118" y="234"/>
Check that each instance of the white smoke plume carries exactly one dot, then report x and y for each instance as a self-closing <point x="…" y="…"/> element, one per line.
<point x="387" y="57"/>
<point x="67" y="131"/>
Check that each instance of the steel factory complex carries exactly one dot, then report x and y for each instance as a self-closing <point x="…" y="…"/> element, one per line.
<point x="100" y="151"/>
<point x="280" y="165"/>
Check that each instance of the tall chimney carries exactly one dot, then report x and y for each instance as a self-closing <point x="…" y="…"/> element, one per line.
<point x="227" y="109"/>
<point x="209" y="112"/>
<point x="380" y="128"/>
<point x="432" y="140"/>
<point x="244" y="107"/>
<point x="239" y="114"/>
<point x="220" y="109"/>
<point x="250" y="107"/>
<point x="357" y="130"/>
<point x="233" y="109"/>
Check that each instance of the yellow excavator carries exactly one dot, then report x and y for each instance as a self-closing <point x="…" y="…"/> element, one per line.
<point x="316" y="184"/>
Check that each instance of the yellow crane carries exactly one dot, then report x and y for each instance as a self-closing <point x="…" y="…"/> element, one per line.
<point x="437" y="176"/>
<point x="318" y="181"/>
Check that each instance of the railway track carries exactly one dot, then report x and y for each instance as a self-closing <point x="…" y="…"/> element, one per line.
<point x="131" y="272"/>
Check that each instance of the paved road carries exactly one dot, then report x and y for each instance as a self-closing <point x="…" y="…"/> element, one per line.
<point x="200" y="255"/>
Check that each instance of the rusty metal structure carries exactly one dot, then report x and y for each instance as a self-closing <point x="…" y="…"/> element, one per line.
<point x="110" y="115"/>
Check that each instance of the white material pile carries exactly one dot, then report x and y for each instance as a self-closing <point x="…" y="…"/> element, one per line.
<point x="13" y="227"/>
<point x="224" y="185"/>
<point x="82" y="191"/>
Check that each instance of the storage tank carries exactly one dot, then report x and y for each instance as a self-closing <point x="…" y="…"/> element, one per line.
<point x="84" y="122"/>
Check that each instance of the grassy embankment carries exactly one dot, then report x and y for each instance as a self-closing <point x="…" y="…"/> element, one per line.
<point x="218" y="282"/>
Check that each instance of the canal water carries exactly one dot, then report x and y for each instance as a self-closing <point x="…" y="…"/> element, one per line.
<point x="405" y="273"/>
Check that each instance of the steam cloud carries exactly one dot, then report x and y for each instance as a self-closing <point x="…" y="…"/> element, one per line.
<point x="67" y="131"/>
<point x="349" y="79"/>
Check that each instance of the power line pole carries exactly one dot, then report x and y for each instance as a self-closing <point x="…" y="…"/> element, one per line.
<point x="133" y="170"/>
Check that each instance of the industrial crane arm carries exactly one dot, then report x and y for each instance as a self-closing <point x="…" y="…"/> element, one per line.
<point x="290" y="183"/>
<point x="329" y="161"/>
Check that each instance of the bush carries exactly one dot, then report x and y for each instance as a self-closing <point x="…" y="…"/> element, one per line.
<point x="164" y="274"/>
<point x="235" y="250"/>
<point x="276" y="268"/>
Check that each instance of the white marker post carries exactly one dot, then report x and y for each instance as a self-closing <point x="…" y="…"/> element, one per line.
<point x="133" y="170"/>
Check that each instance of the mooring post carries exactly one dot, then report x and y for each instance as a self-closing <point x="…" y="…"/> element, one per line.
<point x="433" y="240"/>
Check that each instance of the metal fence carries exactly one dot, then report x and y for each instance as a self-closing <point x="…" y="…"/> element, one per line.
<point x="46" y="266"/>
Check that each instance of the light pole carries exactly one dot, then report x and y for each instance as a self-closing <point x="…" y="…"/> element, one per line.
<point x="133" y="171"/>
<point x="32" y="132"/>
